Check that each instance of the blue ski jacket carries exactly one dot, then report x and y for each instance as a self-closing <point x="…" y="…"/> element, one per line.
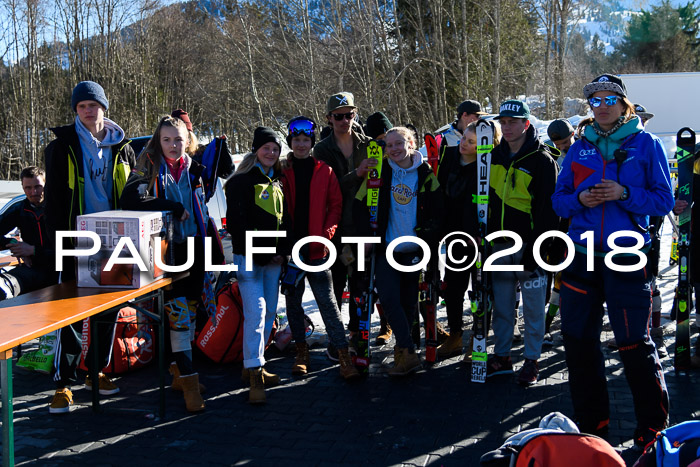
<point x="643" y="169"/>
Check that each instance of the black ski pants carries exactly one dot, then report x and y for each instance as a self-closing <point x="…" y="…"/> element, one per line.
<point x="456" y="285"/>
<point x="398" y="294"/>
<point x="628" y="299"/>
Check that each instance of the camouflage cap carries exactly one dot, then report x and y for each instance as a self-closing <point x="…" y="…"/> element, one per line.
<point x="338" y="100"/>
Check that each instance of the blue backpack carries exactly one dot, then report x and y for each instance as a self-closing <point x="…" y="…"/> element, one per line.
<point x="676" y="446"/>
<point x="218" y="163"/>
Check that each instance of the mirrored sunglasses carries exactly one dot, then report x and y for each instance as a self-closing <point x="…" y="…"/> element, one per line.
<point x="609" y="101"/>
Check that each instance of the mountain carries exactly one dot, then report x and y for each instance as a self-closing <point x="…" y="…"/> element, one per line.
<point x="609" y="20"/>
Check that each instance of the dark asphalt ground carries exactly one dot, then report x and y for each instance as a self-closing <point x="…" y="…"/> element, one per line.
<point x="435" y="417"/>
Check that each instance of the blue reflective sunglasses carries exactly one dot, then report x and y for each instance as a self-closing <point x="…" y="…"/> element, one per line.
<point x="609" y="101"/>
<point x="301" y="127"/>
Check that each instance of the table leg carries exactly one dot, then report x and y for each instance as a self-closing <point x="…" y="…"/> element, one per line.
<point x="161" y="351"/>
<point x="8" y="429"/>
<point x="94" y="368"/>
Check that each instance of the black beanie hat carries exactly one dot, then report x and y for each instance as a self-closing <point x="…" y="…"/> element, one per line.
<point x="263" y="135"/>
<point x="88" y="91"/>
<point x="377" y="124"/>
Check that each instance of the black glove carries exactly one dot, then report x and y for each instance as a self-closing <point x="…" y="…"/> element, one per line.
<point x="304" y="252"/>
<point x="556" y="253"/>
<point x="178" y="211"/>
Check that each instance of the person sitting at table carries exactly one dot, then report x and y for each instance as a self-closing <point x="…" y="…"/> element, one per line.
<point x="86" y="170"/>
<point x="36" y="269"/>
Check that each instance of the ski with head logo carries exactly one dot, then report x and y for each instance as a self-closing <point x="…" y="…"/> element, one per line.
<point x="481" y="292"/>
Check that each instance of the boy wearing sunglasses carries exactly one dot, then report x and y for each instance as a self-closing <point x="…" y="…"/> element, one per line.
<point x="345" y="151"/>
<point x="315" y="204"/>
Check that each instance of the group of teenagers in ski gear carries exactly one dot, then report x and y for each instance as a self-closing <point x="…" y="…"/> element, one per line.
<point x="321" y="189"/>
<point x="90" y="168"/>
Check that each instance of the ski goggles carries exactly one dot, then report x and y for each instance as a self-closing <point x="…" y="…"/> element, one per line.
<point x="609" y="101"/>
<point x="345" y="116"/>
<point x="301" y="127"/>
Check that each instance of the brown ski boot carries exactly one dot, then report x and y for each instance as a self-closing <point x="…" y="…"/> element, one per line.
<point x="347" y="369"/>
<point x="407" y="363"/>
<point x="177" y="383"/>
<point x="269" y="379"/>
<point x="301" y="362"/>
<point x="190" y="388"/>
<point x="451" y="347"/>
<point x="256" y="395"/>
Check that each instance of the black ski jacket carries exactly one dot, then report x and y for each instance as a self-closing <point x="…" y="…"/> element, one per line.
<point x="256" y="202"/>
<point x="31" y="222"/>
<point x="458" y="183"/>
<point x="64" y="190"/>
<point x="521" y="188"/>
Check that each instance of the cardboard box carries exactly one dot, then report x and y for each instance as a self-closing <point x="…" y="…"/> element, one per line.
<point x="144" y="228"/>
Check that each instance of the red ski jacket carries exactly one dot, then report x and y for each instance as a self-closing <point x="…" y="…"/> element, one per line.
<point x="325" y="204"/>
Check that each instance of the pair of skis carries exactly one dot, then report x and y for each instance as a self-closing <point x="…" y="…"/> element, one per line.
<point x="365" y="303"/>
<point x="428" y="289"/>
<point x="685" y="140"/>
<point x="482" y="288"/>
<point x="481" y="293"/>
